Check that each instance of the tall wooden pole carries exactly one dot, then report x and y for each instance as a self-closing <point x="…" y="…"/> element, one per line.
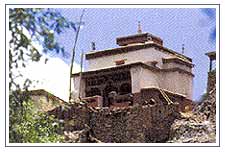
<point x="73" y="53"/>
<point x="81" y="67"/>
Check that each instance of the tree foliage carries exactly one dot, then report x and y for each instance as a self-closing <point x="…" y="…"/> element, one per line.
<point x="30" y="26"/>
<point x="29" y="125"/>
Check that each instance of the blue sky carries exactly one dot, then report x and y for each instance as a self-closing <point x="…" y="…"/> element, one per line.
<point x="191" y="26"/>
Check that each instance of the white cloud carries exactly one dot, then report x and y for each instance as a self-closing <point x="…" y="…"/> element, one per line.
<point x="52" y="76"/>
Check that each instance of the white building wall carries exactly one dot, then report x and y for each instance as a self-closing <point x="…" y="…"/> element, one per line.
<point x="177" y="82"/>
<point x="143" y="78"/>
<point x="76" y="82"/>
<point x="173" y="81"/>
<point x="176" y="65"/>
<point x="149" y="79"/>
<point x="140" y="77"/>
<point x="143" y="55"/>
<point x="135" y="73"/>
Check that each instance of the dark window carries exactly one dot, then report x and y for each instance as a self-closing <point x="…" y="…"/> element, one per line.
<point x="93" y="92"/>
<point x="125" y="88"/>
<point x="109" y="88"/>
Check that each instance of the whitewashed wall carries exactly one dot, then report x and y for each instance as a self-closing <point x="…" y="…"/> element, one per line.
<point x="178" y="82"/>
<point x="143" y="55"/>
<point x="76" y="82"/>
<point x="176" y="65"/>
<point x="135" y="73"/>
<point x="149" y="78"/>
<point x="140" y="77"/>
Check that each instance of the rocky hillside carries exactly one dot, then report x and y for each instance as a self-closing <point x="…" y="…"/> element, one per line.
<point x="198" y="126"/>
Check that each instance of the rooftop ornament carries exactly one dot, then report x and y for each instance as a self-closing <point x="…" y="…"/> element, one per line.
<point x="212" y="57"/>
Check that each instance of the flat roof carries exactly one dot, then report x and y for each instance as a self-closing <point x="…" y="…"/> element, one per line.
<point x="134" y="47"/>
<point x="144" y="65"/>
<point x="145" y="37"/>
<point x="178" y="60"/>
<point x="44" y="92"/>
<point x="131" y="36"/>
<point x="211" y="55"/>
<point x="116" y="68"/>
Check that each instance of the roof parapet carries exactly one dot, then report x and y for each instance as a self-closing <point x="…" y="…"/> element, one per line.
<point x="138" y="38"/>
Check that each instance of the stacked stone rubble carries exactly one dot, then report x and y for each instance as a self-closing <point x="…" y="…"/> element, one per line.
<point x="200" y="126"/>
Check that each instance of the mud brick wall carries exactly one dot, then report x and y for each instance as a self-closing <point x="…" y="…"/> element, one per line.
<point x="153" y="93"/>
<point x="148" y="94"/>
<point x="137" y="98"/>
<point x="211" y="80"/>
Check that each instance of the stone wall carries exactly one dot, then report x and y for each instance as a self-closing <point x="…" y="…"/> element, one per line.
<point x="211" y="80"/>
<point x="136" y="124"/>
<point x="118" y="126"/>
<point x="74" y="117"/>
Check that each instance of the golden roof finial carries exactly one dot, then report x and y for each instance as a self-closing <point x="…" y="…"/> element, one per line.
<point x="139" y="28"/>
